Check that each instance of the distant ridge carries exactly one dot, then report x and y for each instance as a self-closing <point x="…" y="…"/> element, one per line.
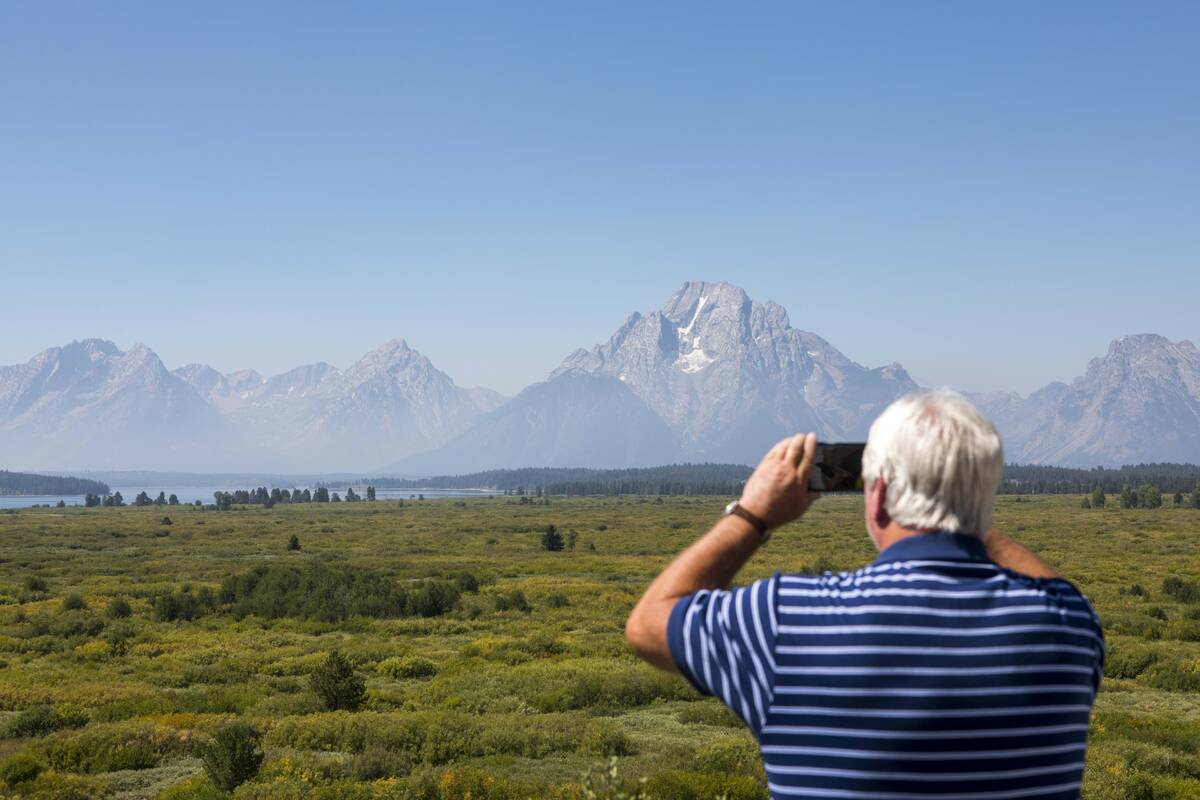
<point x="671" y="479"/>
<point x="711" y="376"/>
<point x="17" y="483"/>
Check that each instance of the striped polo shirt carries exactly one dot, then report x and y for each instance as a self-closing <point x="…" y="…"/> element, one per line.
<point x="931" y="673"/>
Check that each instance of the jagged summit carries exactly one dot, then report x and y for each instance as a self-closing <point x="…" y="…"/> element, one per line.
<point x="711" y="375"/>
<point x="725" y="374"/>
<point x="89" y="404"/>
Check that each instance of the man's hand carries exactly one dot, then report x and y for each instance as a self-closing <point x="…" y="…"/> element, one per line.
<point x="777" y="492"/>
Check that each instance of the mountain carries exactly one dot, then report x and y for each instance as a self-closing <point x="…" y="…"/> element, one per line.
<point x="91" y="405"/>
<point x="1139" y="403"/>
<point x="712" y="376"/>
<point x="574" y="419"/>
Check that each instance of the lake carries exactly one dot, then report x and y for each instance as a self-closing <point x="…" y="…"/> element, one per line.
<point x="190" y="494"/>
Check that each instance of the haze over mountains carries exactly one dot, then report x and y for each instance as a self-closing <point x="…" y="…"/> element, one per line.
<point x="711" y="376"/>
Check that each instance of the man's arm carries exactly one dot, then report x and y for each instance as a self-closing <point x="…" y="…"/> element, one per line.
<point x="1010" y="555"/>
<point x="776" y="493"/>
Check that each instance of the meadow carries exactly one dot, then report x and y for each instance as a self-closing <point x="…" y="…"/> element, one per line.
<point x="492" y="667"/>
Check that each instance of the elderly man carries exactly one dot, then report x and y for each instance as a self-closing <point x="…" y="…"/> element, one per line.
<point x="956" y="665"/>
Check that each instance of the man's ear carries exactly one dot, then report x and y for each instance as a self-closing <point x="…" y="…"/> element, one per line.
<point x="877" y="503"/>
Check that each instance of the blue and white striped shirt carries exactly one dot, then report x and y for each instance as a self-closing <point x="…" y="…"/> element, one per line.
<point x="930" y="674"/>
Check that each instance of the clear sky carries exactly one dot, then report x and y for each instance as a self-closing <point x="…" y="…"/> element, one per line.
<point x="986" y="193"/>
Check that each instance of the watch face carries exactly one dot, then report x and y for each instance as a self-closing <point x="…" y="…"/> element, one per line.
<point x="729" y="508"/>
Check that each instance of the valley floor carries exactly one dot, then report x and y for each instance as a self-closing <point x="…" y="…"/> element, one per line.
<point x="518" y="689"/>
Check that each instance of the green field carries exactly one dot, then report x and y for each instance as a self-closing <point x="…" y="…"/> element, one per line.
<point x="505" y="694"/>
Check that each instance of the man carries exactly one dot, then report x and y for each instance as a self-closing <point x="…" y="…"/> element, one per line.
<point x="956" y="665"/>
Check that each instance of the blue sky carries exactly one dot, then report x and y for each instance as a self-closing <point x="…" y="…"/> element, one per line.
<point x="986" y="193"/>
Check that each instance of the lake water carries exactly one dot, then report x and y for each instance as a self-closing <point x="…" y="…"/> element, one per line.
<point x="190" y="494"/>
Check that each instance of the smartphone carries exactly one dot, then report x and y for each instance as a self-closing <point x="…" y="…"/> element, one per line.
<point x="837" y="468"/>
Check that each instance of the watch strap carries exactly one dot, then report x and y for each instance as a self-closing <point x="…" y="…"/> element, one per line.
<point x="735" y="509"/>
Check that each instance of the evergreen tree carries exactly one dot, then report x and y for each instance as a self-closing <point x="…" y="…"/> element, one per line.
<point x="1178" y="499"/>
<point x="294" y="542"/>
<point x="337" y="684"/>
<point x="552" y="540"/>
<point x="1128" y="498"/>
<point x="321" y="495"/>
<point x="173" y="500"/>
<point x="233" y="756"/>
<point x="371" y="494"/>
<point x="1098" y="498"/>
<point x="1149" y="496"/>
<point x="161" y="500"/>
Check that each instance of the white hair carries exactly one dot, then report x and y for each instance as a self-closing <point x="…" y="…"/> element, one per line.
<point x="940" y="459"/>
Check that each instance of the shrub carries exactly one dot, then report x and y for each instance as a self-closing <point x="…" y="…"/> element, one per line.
<point x="1173" y="676"/>
<point x="1120" y="662"/>
<point x="319" y="592"/>
<point x="557" y="600"/>
<point x="1181" y="590"/>
<point x="514" y="600"/>
<point x="293" y="543"/>
<point x="709" y="713"/>
<point x="43" y="720"/>
<point x="73" y="602"/>
<point x="234" y="756"/>
<point x="704" y="786"/>
<point x="411" y="667"/>
<point x="115" y="746"/>
<point x="19" y="769"/>
<point x="603" y="738"/>
<point x="735" y="755"/>
<point x="466" y="582"/>
<point x="35" y="583"/>
<point x="337" y="684"/>
<point x="195" y="788"/>
<point x="118" y="608"/>
<point x="375" y="763"/>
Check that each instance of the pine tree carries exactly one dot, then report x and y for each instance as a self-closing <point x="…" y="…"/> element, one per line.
<point x="552" y="540"/>
<point x="1128" y="498"/>
<point x="337" y="684"/>
<point x="1098" y="498"/>
<point x="233" y="757"/>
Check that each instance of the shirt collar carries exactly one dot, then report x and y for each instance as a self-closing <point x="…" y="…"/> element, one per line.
<point x="936" y="546"/>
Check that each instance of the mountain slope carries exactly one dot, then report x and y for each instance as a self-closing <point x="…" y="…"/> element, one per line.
<point x="573" y="419"/>
<point x="89" y="404"/>
<point x="1140" y="402"/>
<point x="726" y="376"/>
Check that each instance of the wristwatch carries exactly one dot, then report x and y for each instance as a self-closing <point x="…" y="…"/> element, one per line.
<point x="735" y="509"/>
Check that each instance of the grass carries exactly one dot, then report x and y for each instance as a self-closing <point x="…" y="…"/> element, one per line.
<point x="518" y="689"/>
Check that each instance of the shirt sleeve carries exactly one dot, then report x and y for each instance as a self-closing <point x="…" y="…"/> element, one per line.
<point x="724" y="644"/>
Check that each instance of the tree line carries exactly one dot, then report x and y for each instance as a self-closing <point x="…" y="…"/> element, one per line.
<point x="269" y="498"/>
<point x="673" y="479"/>
<point x="1037" y="479"/>
<point x="26" y="483"/>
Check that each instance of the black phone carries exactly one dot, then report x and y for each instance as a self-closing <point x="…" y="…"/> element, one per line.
<point x="837" y="468"/>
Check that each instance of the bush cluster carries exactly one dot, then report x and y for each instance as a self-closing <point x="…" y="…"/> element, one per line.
<point x="329" y="594"/>
<point x="44" y="719"/>
<point x="441" y="737"/>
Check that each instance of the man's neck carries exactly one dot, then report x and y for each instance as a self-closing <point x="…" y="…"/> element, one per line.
<point x="894" y="533"/>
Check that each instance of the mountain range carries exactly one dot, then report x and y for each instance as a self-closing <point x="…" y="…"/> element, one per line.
<point x="711" y="376"/>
